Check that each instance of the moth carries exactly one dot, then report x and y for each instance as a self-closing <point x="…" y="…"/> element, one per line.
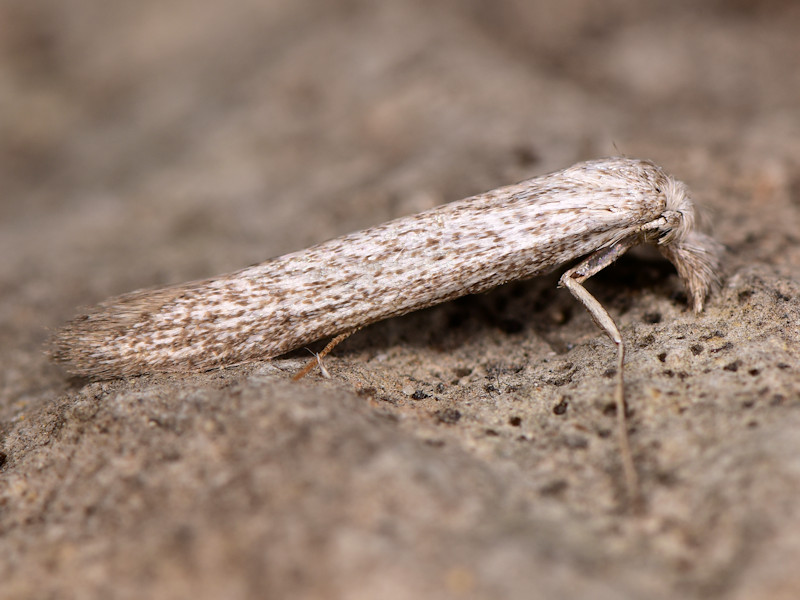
<point x="595" y="210"/>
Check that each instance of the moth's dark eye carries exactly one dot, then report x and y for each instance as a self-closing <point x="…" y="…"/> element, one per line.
<point x="658" y="189"/>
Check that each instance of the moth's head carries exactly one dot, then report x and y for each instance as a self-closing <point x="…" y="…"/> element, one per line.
<point x="695" y="255"/>
<point x="679" y="215"/>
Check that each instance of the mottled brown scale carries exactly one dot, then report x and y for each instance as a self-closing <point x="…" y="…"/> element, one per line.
<point x="468" y="246"/>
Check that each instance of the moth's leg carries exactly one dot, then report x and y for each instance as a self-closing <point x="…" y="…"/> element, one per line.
<point x="573" y="280"/>
<point x="317" y="360"/>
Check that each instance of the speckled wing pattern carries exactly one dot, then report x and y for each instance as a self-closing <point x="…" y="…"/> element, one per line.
<point x="463" y="247"/>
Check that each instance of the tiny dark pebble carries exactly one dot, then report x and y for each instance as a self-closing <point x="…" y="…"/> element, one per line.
<point x="561" y="407"/>
<point x="696" y="349"/>
<point x="554" y="488"/>
<point x="419" y="395"/>
<point x="782" y="297"/>
<point x="725" y="346"/>
<point x="647" y="340"/>
<point x="662" y="356"/>
<point x="712" y="335"/>
<point x="450" y="416"/>
<point x="666" y="479"/>
<point x="515" y="421"/>
<point x="733" y="367"/>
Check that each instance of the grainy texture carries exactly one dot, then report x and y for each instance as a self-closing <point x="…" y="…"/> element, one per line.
<point x="464" y="247"/>
<point x="465" y="451"/>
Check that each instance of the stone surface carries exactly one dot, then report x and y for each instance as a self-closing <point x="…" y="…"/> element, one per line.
<point x="466" y="451"/>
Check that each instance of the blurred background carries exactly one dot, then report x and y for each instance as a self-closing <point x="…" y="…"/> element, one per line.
<point x="150" y="142"/>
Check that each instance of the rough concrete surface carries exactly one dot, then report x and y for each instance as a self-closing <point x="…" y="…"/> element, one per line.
<point x="466" y="451"/>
